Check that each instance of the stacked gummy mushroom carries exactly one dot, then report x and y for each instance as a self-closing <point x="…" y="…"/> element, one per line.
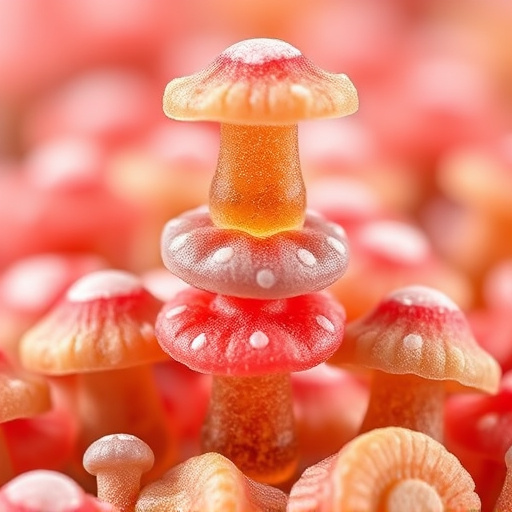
<point x="256" y="259"/>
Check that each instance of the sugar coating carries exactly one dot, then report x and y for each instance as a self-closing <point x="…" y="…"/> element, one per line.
<point x="306" y="257"/>
<point x="413" y="341"/>
<point x="423" y="296"/>
<point x="258" y="339"/>
<point x="104" y="284"/>
<point x="336" y="245"/>
<point x="179" y="242"/>
<point x="260" y="51"/>
<point x="396" y="240"/>
<point x="325" y="323"/>
<point x="175" y="311"/>
<point x="33" y="282"/>
<point x="265" y="278"/>
<point x="198" y="342"/>
<point x="223" y="255"/>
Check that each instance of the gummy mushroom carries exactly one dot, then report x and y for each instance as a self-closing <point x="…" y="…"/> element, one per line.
<point x="21" y="396"/>
<point x="258" y="89"/>
<point x="250" y="347"/>
<point x="392" y="469"/>
<point x="233" y="262"/>
<point x="209" y="483"/>
<point x="419" y="345"/>
<point x="504" y="503"/>
<point x="102" y="332"/>
<point x="48" y="491"/>
<point x="118" y="461"/>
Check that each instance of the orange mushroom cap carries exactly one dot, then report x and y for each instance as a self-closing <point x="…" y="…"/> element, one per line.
<point x="105" y="321"/>
<point x="419" y="330"/>
<point x="260" y="81"/>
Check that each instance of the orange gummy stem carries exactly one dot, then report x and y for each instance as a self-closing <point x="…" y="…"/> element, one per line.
<point x="406" y="401"/>
<point x="258" y="185"/>
<point x="504" y="503"/>
<point x="250" y="421"/>
<point x="124" y="401"/>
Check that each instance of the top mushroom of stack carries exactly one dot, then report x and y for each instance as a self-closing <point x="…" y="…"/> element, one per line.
<point x="260" y="81"/>
<point x="259" y="89"/>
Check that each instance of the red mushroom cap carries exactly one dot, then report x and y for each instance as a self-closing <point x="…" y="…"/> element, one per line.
<point x="231" y="262"/>
<point x="230" y="336"/>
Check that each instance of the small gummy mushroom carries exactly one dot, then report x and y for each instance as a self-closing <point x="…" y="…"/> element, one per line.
<point x="258" y="90"/>
<point x="419" y="344"/>
<point x="48" y="491"/>
<point x="504" y="503"/>
<point x="390" y="469"/>
<point x="233" y="262"/>
<point x="21" y="396"/>
<point x="250" y="347"/>
<point x="209" y="483"/>
<point x="118" y="461"/>
<point x="102" y="332"/>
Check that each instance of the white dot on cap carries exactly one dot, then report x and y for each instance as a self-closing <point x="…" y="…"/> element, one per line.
<point x="419" y="295"/>
<point x="336" y="245"/>
<point x="265" y="278"/>
<point x="198" y="342"/>
<point x="261" y="50"/>
<point x="179" y="242"/>
<point x="258" y="339"/>
<point x="306" y="257"/>
<point x="223" y="255"/>
<point x="413" y="341"/>
<point x="175" y="311"/>
<point x="104" y="284"/>
<point x="325" y="323"/>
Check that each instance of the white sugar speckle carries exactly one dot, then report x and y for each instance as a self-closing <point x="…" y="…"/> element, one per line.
<point x="423" y="296"/>
<point x="147" y="331"/>
<point x="488" y="421"/>
<point x="338" y="230"/>
<point x="325" y="323"/>
<point x="179" y="242"/>
<point x="104" y="284"/>
<point x="174" y="223"/>
<point x="198" y="342"/>
<point x="258" y="339"/>
<point x="413" y="341"/>
<point x="336" y="245"/>
<point x="300" y="90"/>
<point x="223" y="255"/>
<point x="265" y="278"/>
<point x="175" y="311"/>
<point x="260" y="51"/>
<point x="306" y="257"/>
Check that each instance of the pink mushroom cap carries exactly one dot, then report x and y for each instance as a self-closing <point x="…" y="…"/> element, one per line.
<point x="46" y="491"/>
<point x="223" y="335"/>
<point x="231" y="262"/>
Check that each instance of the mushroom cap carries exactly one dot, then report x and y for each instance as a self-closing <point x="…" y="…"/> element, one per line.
<point x="363" y="474"/>
<point x="21" y="395"/>
<point x="209" y="482"/>
<point x="223" y="335"/>
<point x="104" y="322"/>
<point x="232" y="262"/>
<point x="260" y="81"/>
<point x="46" y="491"/>
<point x="419" y="330"/>
<point x="123" y="451"/>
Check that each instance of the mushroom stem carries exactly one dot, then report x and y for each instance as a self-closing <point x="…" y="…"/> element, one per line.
<point x="250" y="421"/>
<point x="413" y="495"/>
<point x="405" y="401"/>
<point x="6" y="471"/>
<point x="124" y="400"/>
<point x="504" y="503"/>
<point x="258" y="172"/>
<point x="119" y="487"/>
